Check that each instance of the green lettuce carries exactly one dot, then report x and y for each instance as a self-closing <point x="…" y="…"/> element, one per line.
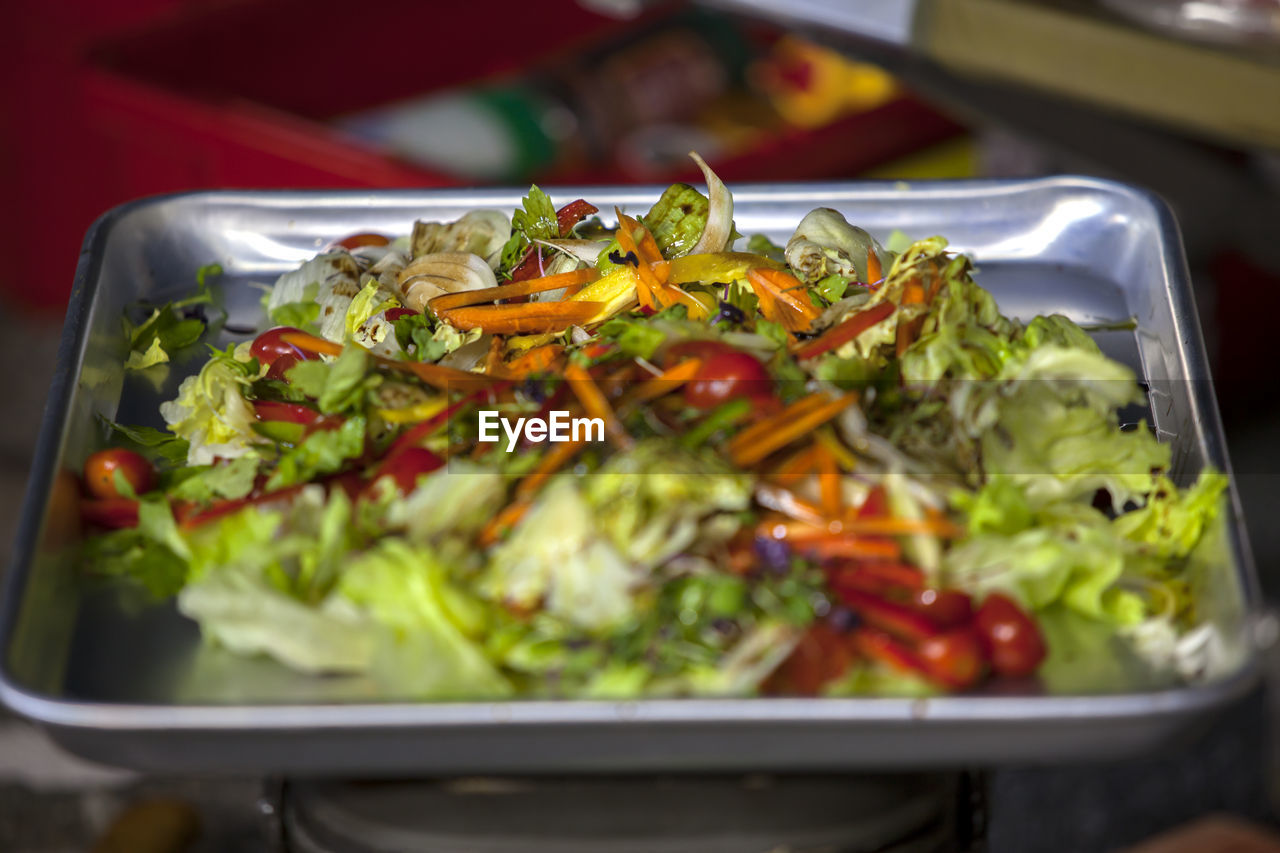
<point x="322" y="452"/>
<point x="211" y="413"/>
<point x="430" y="625"/>
<point x="338" y="385"/>
<point x="231" y="480"/>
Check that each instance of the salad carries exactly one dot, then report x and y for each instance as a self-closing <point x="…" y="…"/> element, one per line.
<point x="544" y="455"/>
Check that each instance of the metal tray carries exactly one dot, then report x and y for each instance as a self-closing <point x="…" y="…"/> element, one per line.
<point x="133" y="685"/>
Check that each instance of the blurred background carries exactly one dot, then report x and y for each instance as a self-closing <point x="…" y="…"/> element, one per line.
<point x="105" y="102"/>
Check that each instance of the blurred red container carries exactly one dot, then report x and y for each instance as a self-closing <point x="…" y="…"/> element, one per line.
<point x="173" y="96"/>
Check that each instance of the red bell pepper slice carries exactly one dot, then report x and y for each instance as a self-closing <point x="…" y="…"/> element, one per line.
<point x="898" y="620"/>
<point x="573" y="213"/>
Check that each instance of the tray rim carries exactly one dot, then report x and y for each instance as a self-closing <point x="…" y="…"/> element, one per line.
<point x="77" y="714"/>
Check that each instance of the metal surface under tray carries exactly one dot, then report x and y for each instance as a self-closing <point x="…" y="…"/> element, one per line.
<point x="132" y="684"/>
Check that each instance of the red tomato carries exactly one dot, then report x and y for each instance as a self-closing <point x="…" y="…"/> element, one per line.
<point x="101" y="467"/>
<point x="393" y="314"/>
<point x="703" y="349"/>
<point x="953" y="659"/>
<point x="405" y="467"/>
<point x="112" y="513"/>
<point x="726" y="374"/>
<point x="822" y="655"/>
<point x="355" y="241"/>
<point x="1011" y="638"/>
<point x="269" y="346"/>
<point x="946" y="608"/>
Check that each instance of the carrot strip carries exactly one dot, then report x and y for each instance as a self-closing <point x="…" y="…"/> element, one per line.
<point x="798" y="465"/>
<point x="553" y="461"/>
<point x="524" y="318"/>
<point x="661" y="270"/>
<point x="593" y="400"/>
<point x="506" y="519"/>
<point x="462" y="299"/>
<point x="697" y="311"/>
<point x="537" y="360"/>
<point x="840" y="335"/>
<point x="432" y="374"/>
<point x="626" y="239"/>
<point x="311" y="343"/>
<point x="745" y="454"/>
<point x="774" y="422"/>
<point x="829" y="483"/>
<point x="874" y="273"/>
<point x="665" y="382"/>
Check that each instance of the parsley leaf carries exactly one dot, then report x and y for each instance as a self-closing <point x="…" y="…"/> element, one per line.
<point x="230" y="481"/>
<point x="535" y="219"/>
<point x="152" y="441"/>
<point x="762" y="245"/>
<point x="637" y="338"/>
<point x="323" y="452"/>
<point x="337" y="385"/>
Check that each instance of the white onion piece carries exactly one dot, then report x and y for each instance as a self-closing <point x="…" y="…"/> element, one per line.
<point x="715" y="236"/>
<point x="587" y="251"/>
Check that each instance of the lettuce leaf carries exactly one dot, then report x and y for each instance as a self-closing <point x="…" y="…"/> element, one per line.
<point x="231" y="480"/>
<point x="338" y="385"/>
<point x="211" y="413"/>
<point x="428" y="623"/>
<point x="322" y="452"/>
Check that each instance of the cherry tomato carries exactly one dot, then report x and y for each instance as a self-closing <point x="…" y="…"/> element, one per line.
<point x="101" y="467"/>
<point x="269" y="346"/>
<point x="393" y="314"/>
<point x="703" y="349"/>
<point x="405" y="467"/>
<point x="946" y="608"/>
<point x="1011" y="638"/>
<point x="822" y="655"/>
<point x="112" y="513"/>
<point x="727" y="376"/>
<point x="953" y="658"/>
<point x="355" y="241"/>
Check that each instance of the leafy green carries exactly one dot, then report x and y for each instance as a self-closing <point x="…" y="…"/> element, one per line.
<point x="230" y="480"/>
<point x="302" y="314"/>
<point x="430" y="623"/>
<point x="761" y="245"/>
<point x="1173" y="520"/>
<point x="336" y="386"/>
<point x="678" y="219"/>
<point x="535" y="219"/>
<point x="211" y="413"/>
<point x="322" y="452"/>
<point x="153" y="441"/>
<point x="634" y="336"/>
<point x="832" y="287"/>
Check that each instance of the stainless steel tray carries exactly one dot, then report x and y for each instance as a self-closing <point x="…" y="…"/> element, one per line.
<point x="129" y="684"/>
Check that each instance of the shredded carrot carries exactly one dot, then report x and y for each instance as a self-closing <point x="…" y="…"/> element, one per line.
<point x="553" y="461"/>
<point x="432" y="374"/>
<point x="745" y="454"/>
<point x="829" y="483"/>
<point x="537" y="360"/>
<point x="574" y="278"/>
<point x="844" y="458"/>
<point x="874" y="273"/>
<point x="697" y="311"/>
<point x="508" y="518"/>
<point x="798" y="464"/>
<point x="311" y="343"/>
<point x="524" y="318"/>
<point x="593" y="400"/>
<point x="774" y="422"/>
<point x="661" y="270"/>
<point x="626" y="239"/>
<point x="840" y="335"/>
<point x="493" y="359"/>
<point x="665" y="382"/>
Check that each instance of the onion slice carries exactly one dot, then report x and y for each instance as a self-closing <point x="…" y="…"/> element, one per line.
<point x="715" y="236"/>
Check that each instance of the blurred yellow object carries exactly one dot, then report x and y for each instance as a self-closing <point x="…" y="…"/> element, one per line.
<point x="811" y="86"/>
<point x="957" y="158"/>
